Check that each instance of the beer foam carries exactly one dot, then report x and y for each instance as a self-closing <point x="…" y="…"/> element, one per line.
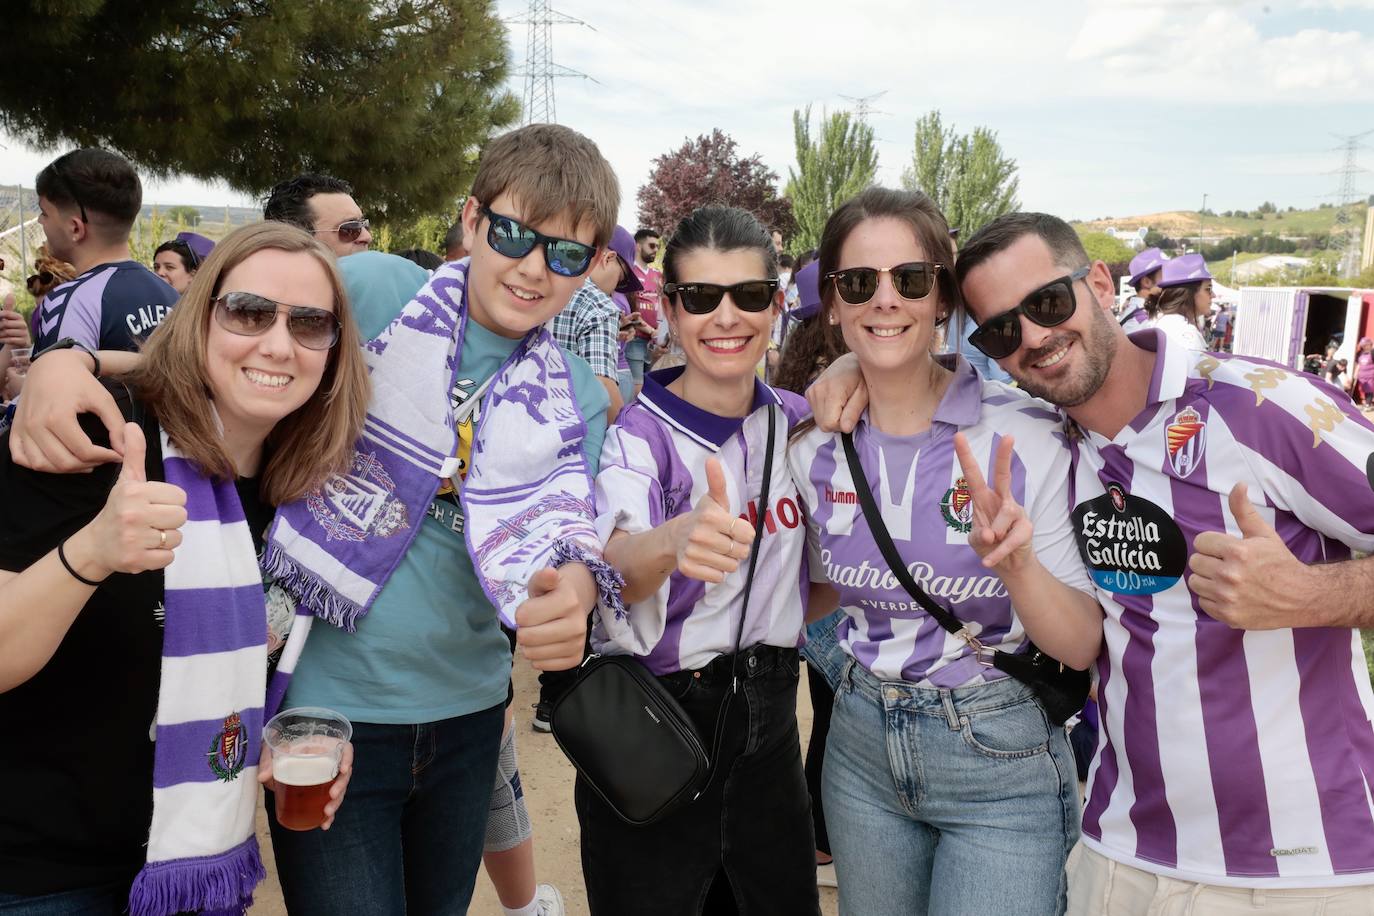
<point x="303" y="771"/>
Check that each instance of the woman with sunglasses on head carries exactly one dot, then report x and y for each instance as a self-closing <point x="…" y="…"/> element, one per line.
<point x="249" y="395"/>
<point x="947" y="787"/>
<point x="177" y="261"/>
<point x="681" y="476"/>
<point x="1184" y="302"/>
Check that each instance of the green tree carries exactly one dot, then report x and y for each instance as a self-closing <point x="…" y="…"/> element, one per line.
<point x="184" y="214"/>
<point x="709" y="170"/>
<point x="391" y="95"/>
<point x="968" y="175"/>
<point x="831" y="168"/>
<point x="1102" y="247"/>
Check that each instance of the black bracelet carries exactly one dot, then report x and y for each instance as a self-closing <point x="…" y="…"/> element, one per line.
<point x="62" y="555"/>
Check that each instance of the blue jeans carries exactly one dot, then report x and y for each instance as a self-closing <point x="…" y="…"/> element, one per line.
<point x="637" y="355"/>
<point x="947" y="801"/>
<point x="106" y="900"/>
<point x="822" y="650"/>
<point x="408" y="837"/>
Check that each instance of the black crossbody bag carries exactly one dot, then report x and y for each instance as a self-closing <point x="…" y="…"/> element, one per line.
<point x="628" y="737"/>
<point x="1061" y="690"/>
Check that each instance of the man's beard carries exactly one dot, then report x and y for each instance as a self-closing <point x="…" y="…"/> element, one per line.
<point x="1099" y="349"/>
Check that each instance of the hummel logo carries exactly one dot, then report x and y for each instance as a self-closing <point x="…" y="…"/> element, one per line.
<point x="844" y="497"/>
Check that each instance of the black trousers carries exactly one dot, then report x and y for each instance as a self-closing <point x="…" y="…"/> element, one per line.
<point x="822" y="702"/>
<point x="751" y="828"/>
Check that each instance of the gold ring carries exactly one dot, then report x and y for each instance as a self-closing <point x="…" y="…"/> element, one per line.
<point x="732" y="528"/>
<point x="162" y="538"/>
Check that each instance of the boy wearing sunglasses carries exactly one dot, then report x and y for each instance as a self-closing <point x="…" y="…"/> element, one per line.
<point x="88" y="201"/>
<point x="1217" y="503"/>
<point x="477" y="419"/>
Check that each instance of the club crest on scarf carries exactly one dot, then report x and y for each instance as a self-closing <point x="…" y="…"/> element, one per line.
<point x="957" y="507"/>
<point x="359" y="505"/>
<point x="229" y="749"/>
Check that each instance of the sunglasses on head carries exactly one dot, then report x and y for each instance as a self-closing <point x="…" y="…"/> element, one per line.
<point x="514" y="239"/>
<point x="250" y="315"/>
<point x="1049" y="306"/>
<point x="349" y="230"/>
<point x="856" y="285"/>
<point x="703" y="298"/>
<point x="67" y="183"/>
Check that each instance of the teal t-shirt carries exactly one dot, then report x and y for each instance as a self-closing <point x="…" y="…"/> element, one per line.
<point x="431" y="646"/>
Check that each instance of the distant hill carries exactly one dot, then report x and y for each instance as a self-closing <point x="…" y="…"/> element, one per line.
<point x="1186" y="223"/>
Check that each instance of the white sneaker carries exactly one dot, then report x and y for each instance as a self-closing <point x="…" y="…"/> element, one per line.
<point x="550" y="900"/>
<point x="825" y="875"/>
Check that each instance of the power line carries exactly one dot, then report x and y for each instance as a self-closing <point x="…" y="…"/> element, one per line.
<point x="863" y="105"/>
<point x="1346" y="197"/>
<point x="540" y="71"/>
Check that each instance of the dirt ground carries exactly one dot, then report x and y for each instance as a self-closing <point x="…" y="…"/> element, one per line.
<point x="548" y="780"/>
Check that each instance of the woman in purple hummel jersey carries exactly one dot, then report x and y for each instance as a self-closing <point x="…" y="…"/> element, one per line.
<point x="947" y="789"/>
<point x="678" y="492"/>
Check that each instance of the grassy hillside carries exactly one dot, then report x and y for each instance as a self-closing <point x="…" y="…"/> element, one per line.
<point x="1175" y="223"/>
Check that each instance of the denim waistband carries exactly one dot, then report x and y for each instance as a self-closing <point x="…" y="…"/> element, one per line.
<point x="943" y="701"/>
<point x="754" y="661"/>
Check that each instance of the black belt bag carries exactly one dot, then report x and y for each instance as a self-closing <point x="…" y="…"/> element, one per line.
<point x="1061" y="690"/>
<point x="628" y="737"/>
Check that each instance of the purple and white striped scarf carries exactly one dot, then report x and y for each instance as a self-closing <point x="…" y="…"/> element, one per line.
<point x="528" y="492"/>
<point x="202" y="853"/>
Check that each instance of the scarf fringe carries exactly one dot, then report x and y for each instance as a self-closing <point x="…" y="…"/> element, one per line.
<point x="309" y="590"/>
<point x="608" y="579"/>
<point x="224" y="883"/>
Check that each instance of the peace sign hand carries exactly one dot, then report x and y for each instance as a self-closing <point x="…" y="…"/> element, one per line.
<point x="1002" y="531"/>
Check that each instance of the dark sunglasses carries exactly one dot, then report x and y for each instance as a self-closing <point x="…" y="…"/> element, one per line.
<point x="250" y="315"/>
<point x="856" y="285"/>
<point x="1049" y="306"/>
<point x="513" y="239"/>
<point x="67" y="183"/>
<point x="349" y="229"/>
<point x="703" y="298"/>
<point x="188" y="255"/>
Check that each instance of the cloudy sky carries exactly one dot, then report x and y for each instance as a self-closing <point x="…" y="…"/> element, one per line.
<point x="1110" y="107"/>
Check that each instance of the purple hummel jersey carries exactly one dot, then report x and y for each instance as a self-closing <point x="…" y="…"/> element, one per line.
<point x="109" y="307"/>
<point x="1226" y="756"/>
<point x="653" y="468"/>
<point x="926" y="505"/>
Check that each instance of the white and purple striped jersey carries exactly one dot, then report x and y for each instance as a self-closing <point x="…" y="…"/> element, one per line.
<point x="653" y="468"/>
<point x="1226" y="756"/>
<point x="927" y="507"/>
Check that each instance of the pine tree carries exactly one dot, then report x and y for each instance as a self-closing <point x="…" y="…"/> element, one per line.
<point x="707" y="170"/>
<point x="967" y="175"/>
<point x="831" y="168"/>
<point x="393" y="96"/>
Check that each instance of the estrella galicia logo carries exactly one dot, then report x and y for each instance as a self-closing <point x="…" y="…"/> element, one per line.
<point x="1130" y="545"/>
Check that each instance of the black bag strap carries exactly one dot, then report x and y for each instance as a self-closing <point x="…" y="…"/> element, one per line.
<point x="748" y="589"/>
<point x="943" y="616"/>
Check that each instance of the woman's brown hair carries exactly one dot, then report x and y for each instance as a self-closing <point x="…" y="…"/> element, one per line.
<point x="1174" y="300"/>
<point x="305" y="447"/>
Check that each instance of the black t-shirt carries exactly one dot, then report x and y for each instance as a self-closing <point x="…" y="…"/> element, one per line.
<point x="76" y="750"/>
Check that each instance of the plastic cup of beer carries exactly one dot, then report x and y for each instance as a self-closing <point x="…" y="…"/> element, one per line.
<point x="307" y="744"/>
<point x="19" y="359"/>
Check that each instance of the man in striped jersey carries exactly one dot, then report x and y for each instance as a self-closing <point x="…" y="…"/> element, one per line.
<point x="1216" y="502"/>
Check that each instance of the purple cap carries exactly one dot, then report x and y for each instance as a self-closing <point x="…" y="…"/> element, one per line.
<point x="197" y="243"/>
<point x="808" y="281"/>
<point x="1185" y="269"/>
<point x="1148" y="261"/>
<point x="623" y="244"/>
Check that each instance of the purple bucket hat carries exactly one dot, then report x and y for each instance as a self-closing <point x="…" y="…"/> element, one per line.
<point x="1180" y="271"/>
<point x="197" y="243"/>
<point x="623" y="244"/>
<point x="808" y="292"/>
<point x="1148" y="261"/>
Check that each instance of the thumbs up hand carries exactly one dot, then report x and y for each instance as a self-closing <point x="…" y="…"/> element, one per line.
<point x="551" y="625"/>
<point x="710" y="540"/>
<point x="1251" y="582"/>
<point x="140" y="525"/>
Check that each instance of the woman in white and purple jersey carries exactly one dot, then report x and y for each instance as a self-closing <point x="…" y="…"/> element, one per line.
<point x="678" y="491"/>
<point x="947" y="789"/>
